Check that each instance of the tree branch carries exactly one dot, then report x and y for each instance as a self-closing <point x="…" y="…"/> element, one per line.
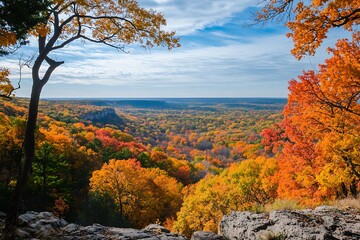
<point x="121" y="48"/>
<point x="345" y="19"/>
<point x="53" y="65"/>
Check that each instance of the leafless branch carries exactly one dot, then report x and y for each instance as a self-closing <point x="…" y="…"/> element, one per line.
<point x="22" y="62"/>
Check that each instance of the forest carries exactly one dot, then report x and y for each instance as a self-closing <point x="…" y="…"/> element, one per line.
<point x="181" y="162"/>
<point x="184" y="166"/>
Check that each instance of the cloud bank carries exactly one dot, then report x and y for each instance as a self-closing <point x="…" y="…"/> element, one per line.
<point x="219" y="58"/>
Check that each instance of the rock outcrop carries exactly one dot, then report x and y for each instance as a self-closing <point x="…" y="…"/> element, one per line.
<point x="45" y="225"/>
<point x="104" y="116"/>
<point x="321" y="223"/>
<point x="202" y="235"/>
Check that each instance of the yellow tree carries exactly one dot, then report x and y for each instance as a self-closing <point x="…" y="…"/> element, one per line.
<point x="142" y="195"/>
<point x="109" y="22"/>
<point x="6" y="88"/>
<point x="240" y="187"/>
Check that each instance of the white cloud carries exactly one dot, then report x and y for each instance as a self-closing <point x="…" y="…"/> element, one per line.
<point x="188" y="16"/>
<point x="241" y="65"/>
<point x="260" y="63"/>
<point x="253" y="61"/>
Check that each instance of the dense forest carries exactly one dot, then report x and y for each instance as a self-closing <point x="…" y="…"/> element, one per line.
<point x="185" y="165"/>
<point x="181" y="162"/>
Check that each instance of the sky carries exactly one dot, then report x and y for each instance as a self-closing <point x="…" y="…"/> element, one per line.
<point x="221" y="56"/>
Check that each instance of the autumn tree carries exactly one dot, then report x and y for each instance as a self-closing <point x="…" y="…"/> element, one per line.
<point x="320" y="158"/>
<point x="310" y="21"/>
<point x="6" y="88"/>
<point x="109" y="22"/>
<point x="242" y="186"/>
<point x="17" y="17"/>
<point x="142" y="195"/>
<point x="322" y="120"/>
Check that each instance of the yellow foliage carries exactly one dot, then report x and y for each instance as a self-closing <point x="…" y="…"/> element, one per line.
<point x="240" y="187"/>
<point x="7" y="38"/>
<point x="141" y="195"/>
<point x="109" y="21"/>
<point x="6" y="87"/>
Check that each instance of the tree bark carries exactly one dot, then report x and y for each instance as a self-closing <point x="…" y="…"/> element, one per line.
<point x="29" y="151"/>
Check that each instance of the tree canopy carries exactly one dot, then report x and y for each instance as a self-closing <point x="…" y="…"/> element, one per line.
<point x="109" y="22"/>
<point x="310" y="21"/>
<point x="319" y="135"/>
<point x="17" y="17"/>
<point x="142" y="195"/>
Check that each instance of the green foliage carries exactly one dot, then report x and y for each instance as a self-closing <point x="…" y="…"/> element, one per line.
<point x="50" y="174"/>
<point x="144" y="159"/>
<point x="101" y="208"/>
<point x="19" y="16"/>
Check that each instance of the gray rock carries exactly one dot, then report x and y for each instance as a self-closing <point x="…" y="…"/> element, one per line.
<point x="45" y="215"/>
<point x="95" y="228"/>
<point x="202" y="235"/>
<point x="71" y="228"/>
<point x="27" y="218"/>
<point x="2" y="215"/>
<point x="172" y="237"/>
<point x="156" y="228"/>
<point x="321" y="223"/>
<point x="46" y="226"/>
<point x="243" y="225"/>
<point x="22" y="234"/>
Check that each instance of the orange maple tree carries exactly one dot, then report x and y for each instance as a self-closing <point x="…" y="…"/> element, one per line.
<point x="321" y="158"/>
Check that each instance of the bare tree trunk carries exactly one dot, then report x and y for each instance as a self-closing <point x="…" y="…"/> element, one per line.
<point x="29" y="151"/>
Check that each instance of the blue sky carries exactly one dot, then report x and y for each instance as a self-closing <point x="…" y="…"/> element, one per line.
<point x="220" y="57"/>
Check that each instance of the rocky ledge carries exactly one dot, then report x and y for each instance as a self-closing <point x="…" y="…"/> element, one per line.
<point x="45" y="225"/>
<point x="321" y="223"/>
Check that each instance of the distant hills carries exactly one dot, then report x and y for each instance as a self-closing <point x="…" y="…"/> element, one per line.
<point x="184" y="103"/>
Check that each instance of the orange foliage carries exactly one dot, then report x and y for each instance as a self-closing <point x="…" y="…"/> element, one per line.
<point x="313" y="20"/>
<point x="322" y="121"/>
<point x="60" y="207"/>
<point x="142" y="195"/>
<point x="6" y="88"/>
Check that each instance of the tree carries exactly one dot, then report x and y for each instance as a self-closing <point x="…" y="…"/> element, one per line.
<point x="49" y="171"/>
<point x="17" y="17"/>
<point x="141" y="195"/>
<point x="322" y="120"/>
<point x="6" y="88"/>
<point x="310" y="21"/>
<point x="109" y="22"/>
<point x="320" y="156"/>
<point x="240" y="187"/>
